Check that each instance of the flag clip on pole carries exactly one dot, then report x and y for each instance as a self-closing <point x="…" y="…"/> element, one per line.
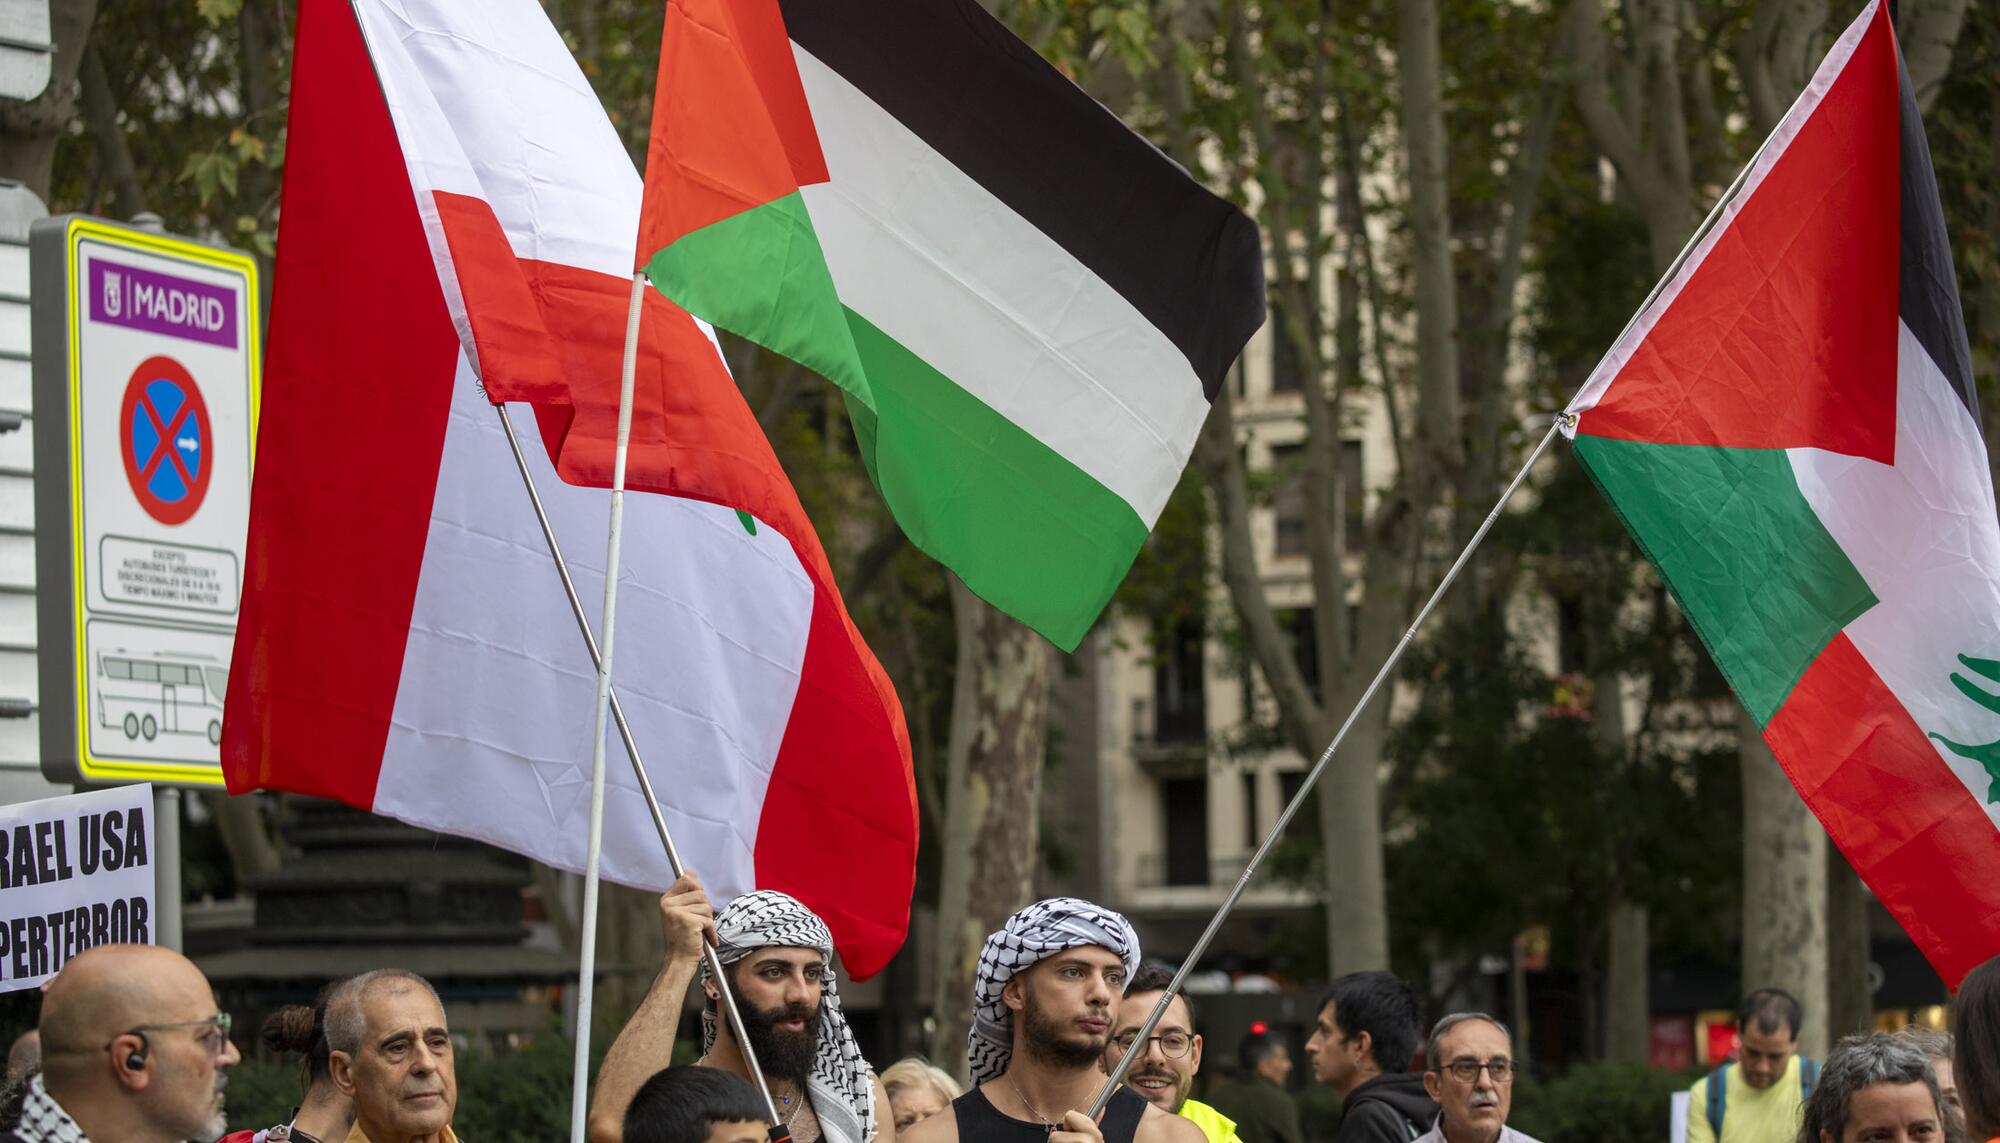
<point x="726" y="996"/>
<point x="601" y="709"/>
<point x="1312" y="776"/>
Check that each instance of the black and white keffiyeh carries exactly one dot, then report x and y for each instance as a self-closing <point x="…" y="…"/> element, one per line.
<point x="1037" y="932"/>
<point x="843" y="1094"/>
<point x="43" y="1120"/>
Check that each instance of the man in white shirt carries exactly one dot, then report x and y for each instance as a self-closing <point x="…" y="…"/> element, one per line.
<point x="1469" y="1070"/>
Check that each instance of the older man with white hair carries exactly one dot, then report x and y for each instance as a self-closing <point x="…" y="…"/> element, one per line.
<point x="1469" y="1070"/>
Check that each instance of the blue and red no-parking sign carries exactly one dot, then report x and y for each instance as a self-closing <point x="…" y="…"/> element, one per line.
<point x="165" y="439"/>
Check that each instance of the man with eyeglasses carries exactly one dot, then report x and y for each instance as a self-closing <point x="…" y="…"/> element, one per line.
<point x="391" y="1053"/>
<point x="134" y="1050"/>
<point x="1163" y="1071"/>
<point x="1469" y="1070"/>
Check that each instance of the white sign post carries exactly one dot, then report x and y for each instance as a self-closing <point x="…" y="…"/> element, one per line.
<point x="75" y="872"/>
<point x="149" y="345"/>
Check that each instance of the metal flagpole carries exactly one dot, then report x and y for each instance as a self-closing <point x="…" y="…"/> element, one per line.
<point x="587" y="966"/>
<point x="726" y="996"/>
<point x="1312" y="776"/>
<point x="1562" y="420"/>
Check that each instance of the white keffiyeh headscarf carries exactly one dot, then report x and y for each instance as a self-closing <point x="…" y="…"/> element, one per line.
<point x="843" y="1095"/>
<point x="1037" y="932"/>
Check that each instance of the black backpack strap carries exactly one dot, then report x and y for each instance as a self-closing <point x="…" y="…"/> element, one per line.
<point x="1718" y="1097"/>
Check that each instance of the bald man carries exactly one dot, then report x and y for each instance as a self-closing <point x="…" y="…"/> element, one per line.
<point x="392" y="1055"/>
<point x="134" y="1048"/>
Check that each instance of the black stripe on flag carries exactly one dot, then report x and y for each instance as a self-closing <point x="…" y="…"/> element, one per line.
<point x="1190" y="262"/>
<point x="1929" y="286"/>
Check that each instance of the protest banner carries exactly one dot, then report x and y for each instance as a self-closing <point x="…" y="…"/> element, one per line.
<point x="75" y="872"/>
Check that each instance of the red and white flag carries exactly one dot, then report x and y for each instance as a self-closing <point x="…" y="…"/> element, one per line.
<point x="458" y="226"/>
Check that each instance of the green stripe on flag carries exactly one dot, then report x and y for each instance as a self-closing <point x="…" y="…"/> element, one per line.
<point x="1757" y="573"/>
<point x="762" y="275"/>
<point x="1026" y="530"/>
<point x="1024" y="527"/>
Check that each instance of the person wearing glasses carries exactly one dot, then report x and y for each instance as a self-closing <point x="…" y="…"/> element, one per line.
<point x="134" y="1050"/>
<point x="1163" y="1071"/>
<point x="1469" y="1070"/>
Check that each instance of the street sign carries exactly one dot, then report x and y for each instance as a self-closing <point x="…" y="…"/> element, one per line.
<point x="146" y="378"/>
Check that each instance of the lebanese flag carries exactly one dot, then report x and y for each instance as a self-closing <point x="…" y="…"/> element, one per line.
<point x="1028" y="306"/>
<point x="458" y="226"/>
<point x="1789" y="430"/>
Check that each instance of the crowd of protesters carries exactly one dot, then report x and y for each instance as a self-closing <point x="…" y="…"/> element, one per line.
<point x="131" y="1047"/>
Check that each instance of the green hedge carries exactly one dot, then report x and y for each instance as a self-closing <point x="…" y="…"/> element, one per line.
<point x="1598" y="1103"/>
<point x="521" y="1096"/>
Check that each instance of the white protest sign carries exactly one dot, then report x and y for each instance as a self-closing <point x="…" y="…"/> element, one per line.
<point x="75" y="872"/>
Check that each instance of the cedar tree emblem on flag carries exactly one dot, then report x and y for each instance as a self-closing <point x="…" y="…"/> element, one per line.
<point x="1789" y="431"/>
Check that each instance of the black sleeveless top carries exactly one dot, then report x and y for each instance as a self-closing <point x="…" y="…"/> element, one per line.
<point x="980" y="1122"/>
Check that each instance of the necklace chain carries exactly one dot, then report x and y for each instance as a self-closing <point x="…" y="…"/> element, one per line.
<point x="1048" y="1125"/>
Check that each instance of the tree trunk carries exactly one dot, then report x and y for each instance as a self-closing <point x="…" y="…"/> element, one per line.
<point x="100" y="112"/>
<point x="1850" y="1002"/>
<point x="1784" y="888"/>
<point x="253" y="852"/>
<point x="29" y="129"/>
<point x="1350" y="822"/>
<point x="1627" y="996"/>
<point x="1418" y="73"/>
<point x="993" y="779"/>
<point x="1627" y="1016"/>
<point x="1928" y="31"/>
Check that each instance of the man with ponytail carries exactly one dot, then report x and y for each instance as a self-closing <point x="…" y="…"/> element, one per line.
<point x="323" y="1115"/>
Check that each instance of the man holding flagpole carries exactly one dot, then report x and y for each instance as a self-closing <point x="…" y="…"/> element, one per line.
<point x="1043" y="1002"/>
<point x="779" y="956"/>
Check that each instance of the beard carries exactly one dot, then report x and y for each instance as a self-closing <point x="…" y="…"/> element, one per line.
<point x="786" y="1054"/>
<point x="1051" y="1043"/>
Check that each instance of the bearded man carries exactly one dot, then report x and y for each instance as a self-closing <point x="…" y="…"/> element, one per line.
<point x="779" y="956"/>
<point x="1043" y="1001"/>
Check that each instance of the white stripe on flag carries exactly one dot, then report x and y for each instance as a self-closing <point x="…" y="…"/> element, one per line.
<point x="1923" y="534"/>
<point x="491" y="734"/>
<point x="938" y="263"/>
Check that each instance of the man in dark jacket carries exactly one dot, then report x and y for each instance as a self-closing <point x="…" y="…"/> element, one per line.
<point x="1362" y="1047"/>
<point x="1257" y="1100"/>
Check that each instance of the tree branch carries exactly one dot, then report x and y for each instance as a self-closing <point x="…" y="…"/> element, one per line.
<point x="1222" y="467"/>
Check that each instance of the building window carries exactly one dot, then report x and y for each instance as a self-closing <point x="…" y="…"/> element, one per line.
<point x="1288" y="499"/>
<point x="1180" y="706"/>
<point x="1286" y="370"/>
<point x="1353" y="499"/>
<point x="1304" y="825"/>
<point x="1186" y="803"/>
<point x="1298" y="624"/>
<point x="1251" y="834"/>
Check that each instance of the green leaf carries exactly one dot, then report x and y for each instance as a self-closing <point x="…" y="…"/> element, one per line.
<point x="217" y="11"/>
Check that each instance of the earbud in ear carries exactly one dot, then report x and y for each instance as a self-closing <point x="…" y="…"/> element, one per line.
<point x="136" y="1061"/>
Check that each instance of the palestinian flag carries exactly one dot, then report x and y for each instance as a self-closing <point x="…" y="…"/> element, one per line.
<point x="1789" y="431"/>
<point x="1028" y="307"/>
<point x="459" y="214"/>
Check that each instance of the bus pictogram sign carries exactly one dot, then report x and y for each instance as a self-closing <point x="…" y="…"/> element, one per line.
<point x="165" y="439"/>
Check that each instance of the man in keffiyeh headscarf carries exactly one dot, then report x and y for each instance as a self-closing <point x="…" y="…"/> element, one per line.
<point x="779" y="957"/>
<point x="1042" y="1000"/>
